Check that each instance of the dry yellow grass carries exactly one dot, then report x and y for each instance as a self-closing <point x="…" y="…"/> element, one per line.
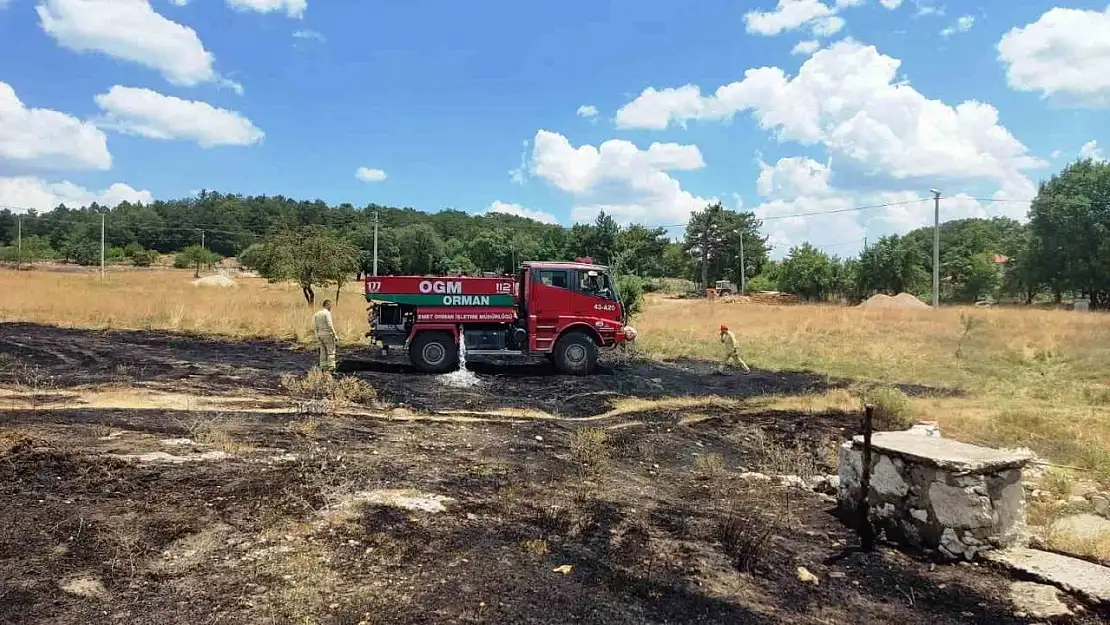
<point x="167" y="300"/>
<point x="1033" y="378"/>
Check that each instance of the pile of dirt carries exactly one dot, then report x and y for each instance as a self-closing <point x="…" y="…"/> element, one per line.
<point x="220" y="281"/>
<point x="903" y="301"/>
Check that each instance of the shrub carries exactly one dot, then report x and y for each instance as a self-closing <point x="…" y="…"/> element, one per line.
<point x="798" y="459"/>
<point x="892" y="409"/>
<point x="590" y="448"/>
<point x="320" y="385"/>
<point x="352" y="389"/>
<point x="631" y="290"/>
<point x="83" y="252"/>
<point x="709" y="466"/>
<point x="143" y="258"/>
<point x="761" y="283"/>
<point x="536" y="547"/>
<point x="195" y="256"/>
<point x="747" y="531"/>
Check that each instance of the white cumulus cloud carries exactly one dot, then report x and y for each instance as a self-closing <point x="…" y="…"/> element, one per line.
<point x="788" y="15"/>
<point x="37" y="138"/>
<point x="793" y="176"/>
<point x="150" y="114"/>
<point x="849" y="99"/>
<point x="962" y="25"/>
<point x="366" y="174"/>
<point x="1065" y="55"/>
<point x="806" y="48"/>
<point x="587" y="110"/>
<point x="292" y="8"/>
<point x="28" y="192"/>
<point x="619" y="178"/>
<point x="820" y="17"/>
<point x="827" y="26"/>
<point x="891" y="4"/>
<point x="801" y="204"/>
<point x="131" y="30"/>
<point x="520" y="211"/>
<point x="1091" y="150"/>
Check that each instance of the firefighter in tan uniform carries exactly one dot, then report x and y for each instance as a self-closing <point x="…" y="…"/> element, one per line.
<point x="732" y="352"/>
<point x="325" y="333"/>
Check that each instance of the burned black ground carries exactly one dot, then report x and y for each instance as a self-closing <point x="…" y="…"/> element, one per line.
<point x="249" y="539"/>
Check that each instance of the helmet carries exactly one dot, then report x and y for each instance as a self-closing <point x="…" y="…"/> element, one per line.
<point x="724" y="328"/>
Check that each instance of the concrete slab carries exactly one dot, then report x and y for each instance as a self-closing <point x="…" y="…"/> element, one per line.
<point x="1038" y="601"/>
<point x="1084" y="579"/>
<point x="944" y="453"/>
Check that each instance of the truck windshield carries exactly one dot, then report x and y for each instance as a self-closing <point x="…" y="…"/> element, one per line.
<point x="597" y="285"/>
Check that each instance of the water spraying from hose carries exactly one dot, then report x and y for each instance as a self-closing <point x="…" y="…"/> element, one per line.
<point x="461" y="377"/>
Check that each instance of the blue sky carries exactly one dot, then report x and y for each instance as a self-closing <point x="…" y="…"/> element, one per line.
<point x="487" y="105"/>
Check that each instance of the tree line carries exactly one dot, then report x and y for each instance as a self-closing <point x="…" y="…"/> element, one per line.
<point x="409" y="241"/>
<point x="1063" y="249"/>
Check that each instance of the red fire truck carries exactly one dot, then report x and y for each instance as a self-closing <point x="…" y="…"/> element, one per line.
<point x="566" y="311"/>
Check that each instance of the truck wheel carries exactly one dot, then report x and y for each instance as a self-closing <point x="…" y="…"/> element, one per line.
<point x="724" y="293"/>
<point x="576" y="354"/>
<point x="434" y="352"/>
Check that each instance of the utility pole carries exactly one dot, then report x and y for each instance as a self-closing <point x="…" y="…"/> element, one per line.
<point x="102" y="216"/>
<point x="19" y="245"/>
<point x="743" y="271"/>
<point x="375" y="243"/>
<point x="936" y="248"/>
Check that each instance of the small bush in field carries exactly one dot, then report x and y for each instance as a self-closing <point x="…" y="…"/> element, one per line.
<point x="709" y="466"/>
<point x="320" y="385"/>
<point x="143" y="258"/>
<point x="590" y="448"/>
<point x="746" y="531"/>
<point x="892" y="409"/>
<point x="352" y="389"/>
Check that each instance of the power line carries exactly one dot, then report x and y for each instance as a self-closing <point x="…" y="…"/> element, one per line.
<point x="839" y="243"/>
<point x="1043" y="200"/>
<point x="844" y="210"/>
<point x="129" y="226"/>
<point x="826" y="212"/>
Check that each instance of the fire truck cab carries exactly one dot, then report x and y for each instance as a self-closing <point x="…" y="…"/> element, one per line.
<point x="566" y="311"/>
